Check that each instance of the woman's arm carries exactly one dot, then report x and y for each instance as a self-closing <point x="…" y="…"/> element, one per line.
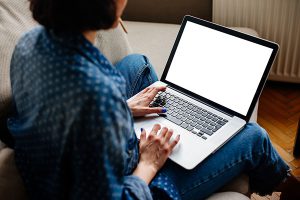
<point x="98" y="146"/>
<point x="154" y="151"/>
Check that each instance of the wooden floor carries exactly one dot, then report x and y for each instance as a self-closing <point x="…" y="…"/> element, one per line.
<point x="278" y="113"/>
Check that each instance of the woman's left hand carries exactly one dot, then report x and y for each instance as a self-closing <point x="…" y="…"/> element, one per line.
<point x="139" y="105"/>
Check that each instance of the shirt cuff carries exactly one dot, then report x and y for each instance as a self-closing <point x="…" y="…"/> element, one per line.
<point x="137" y="187"/>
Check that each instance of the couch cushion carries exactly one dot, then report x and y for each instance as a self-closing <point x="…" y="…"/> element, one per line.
<point x="228" y="196"/>
<point x="11" y="185"/>
<point x="14" y="20"/>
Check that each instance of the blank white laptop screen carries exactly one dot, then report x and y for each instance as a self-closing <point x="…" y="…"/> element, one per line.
<point x="219" y="67"/>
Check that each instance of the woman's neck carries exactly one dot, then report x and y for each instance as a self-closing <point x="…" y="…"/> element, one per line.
<point x="90" y="36"/>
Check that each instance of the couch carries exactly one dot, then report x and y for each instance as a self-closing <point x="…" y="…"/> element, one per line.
<point x="152" y="39"/>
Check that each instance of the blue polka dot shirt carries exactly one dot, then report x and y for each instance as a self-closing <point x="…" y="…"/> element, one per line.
<point x="73" y="130"/>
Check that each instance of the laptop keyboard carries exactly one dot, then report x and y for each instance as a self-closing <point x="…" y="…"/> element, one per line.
<point x="187" y="115"/>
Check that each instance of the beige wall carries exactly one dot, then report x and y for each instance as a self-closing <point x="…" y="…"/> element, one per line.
<point x="167" y="11"/>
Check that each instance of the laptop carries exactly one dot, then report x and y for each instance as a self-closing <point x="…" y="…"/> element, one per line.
<point x="214" y="77"/>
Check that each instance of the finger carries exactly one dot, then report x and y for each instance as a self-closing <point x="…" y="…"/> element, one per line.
<point x="143" y="135"/>
<point x="163" y="132"/>
<point x="161" y="88"/>
<point x="152" y="93"/>
<point x="155" y="129"/>
<point x="150" y="110"/>
<point x="145" y="90"/>
<point x="174" y="142"/>
<point x="168" y="135"/>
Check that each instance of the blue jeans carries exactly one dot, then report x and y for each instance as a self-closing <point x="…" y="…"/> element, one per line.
<point x="249" y="152"/>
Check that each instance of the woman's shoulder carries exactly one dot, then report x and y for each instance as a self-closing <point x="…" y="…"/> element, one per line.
<point x="97" y="83"/>
<point x="32" y="35"/>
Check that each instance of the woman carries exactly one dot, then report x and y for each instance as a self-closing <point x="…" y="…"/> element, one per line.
<point x="73" y="127"/>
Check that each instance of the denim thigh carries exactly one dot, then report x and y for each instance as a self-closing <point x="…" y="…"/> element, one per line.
<point x="138" y="73"/>
<point x="250" y="151"/>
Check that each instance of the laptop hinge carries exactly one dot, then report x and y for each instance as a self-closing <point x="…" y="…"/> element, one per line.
<point x="230" y="115"/>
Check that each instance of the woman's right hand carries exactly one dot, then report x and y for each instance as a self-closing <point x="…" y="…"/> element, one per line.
<point x="154" y="151"/>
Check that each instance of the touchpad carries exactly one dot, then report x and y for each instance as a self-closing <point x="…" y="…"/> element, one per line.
<point x="146" y="123"/>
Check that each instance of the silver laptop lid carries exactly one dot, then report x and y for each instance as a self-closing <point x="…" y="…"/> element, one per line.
<point x="219" y="66"/>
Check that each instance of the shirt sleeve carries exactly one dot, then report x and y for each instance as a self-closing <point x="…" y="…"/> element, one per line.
<point x="98" y="147"/>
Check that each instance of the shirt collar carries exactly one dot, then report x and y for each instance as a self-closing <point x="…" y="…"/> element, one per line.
<point x="76" y="41"/>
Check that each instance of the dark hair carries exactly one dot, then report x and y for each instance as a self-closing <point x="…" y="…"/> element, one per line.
<point x="74" y="15"/>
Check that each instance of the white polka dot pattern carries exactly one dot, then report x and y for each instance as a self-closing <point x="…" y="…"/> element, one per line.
<point x="73" y="129"/>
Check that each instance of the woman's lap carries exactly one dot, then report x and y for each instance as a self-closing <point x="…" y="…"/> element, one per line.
<point x="250" y="151"/>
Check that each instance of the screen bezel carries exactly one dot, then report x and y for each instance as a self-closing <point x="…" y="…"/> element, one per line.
<point x="232" y="32"/>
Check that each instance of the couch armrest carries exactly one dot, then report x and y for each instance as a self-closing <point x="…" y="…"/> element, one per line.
<point x="113" y="43"/>
<point x="11" y="184"/>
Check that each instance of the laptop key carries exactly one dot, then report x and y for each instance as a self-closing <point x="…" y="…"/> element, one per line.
<point x="194" y="119"/>
<point x="184" y="125"/>
<point x="189" y="128"/>
<point x="221" y="122"/>
<point x="218" y="126"/>
<point x="190" y="117"/>
<point x="202" y="118"/>
<point x="199" y="134"/>
<point x="213" y="124"/>
<point x="200" y="122"/>
<point x="208" y="132"/>
<point x="215" y="130"/>
<point x="174" y="119"/>
<point x="208" y="121"/>
<point x="188" y="121"/>
<point x="198" y="127"/>
<point x="205" y="125"/>
<point x="204" y="114"/>
<point x="193" y="124"/>
<point x="214" y="119"/>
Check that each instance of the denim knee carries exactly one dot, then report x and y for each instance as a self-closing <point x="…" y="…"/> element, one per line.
<point x="257" y="134"/>
<point x="138" y="73"/>
<point x="135" y="64"/>
<point x="267" y="169"/>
